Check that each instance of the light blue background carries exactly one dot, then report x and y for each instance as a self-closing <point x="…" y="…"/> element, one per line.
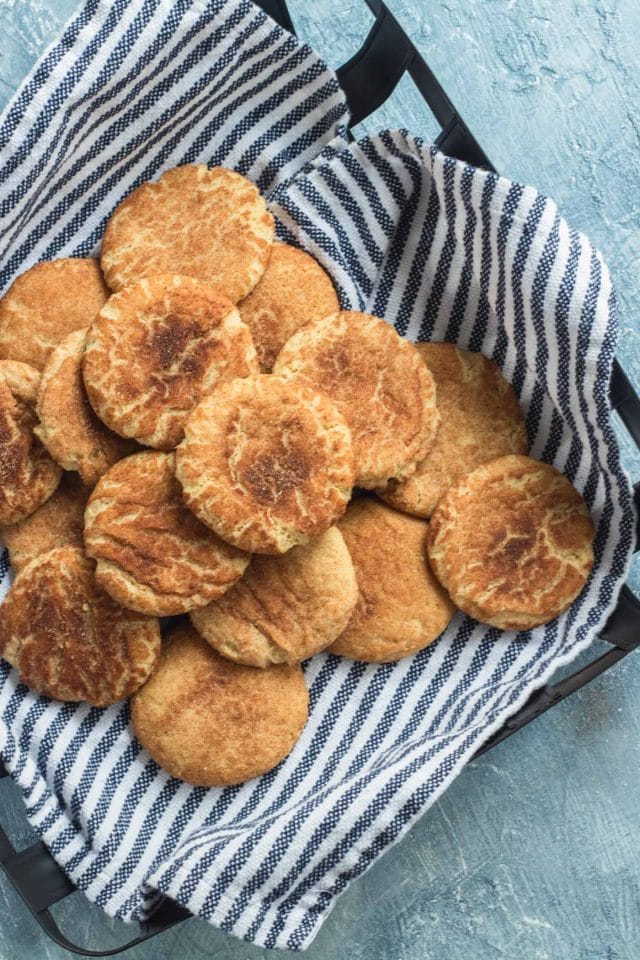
<point x="534" y="852"/>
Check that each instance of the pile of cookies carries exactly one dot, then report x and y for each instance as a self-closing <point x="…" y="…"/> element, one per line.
<point x="193" y="426"/>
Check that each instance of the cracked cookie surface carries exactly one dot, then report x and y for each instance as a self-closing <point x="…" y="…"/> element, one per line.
<point x="293" y="290"/>
<point x="286" y="608"/>
<point x="155" y="349"/>
<point x="266" y="463"/>
<point x="57" y="523"/>
<point x="212" y="225"/>
<point x="401" y="607"/>
<point x="28" y="475"/>
<point x="480" y="419"/>
<point x="377" y="381"/>
<point x="68" y="427"/>
<point x="47" y="302"/>
<point x="512" y="543"/>
<point x="215" y="723"/>
<point x="153" y="555"/>
<point x="68" y="639"/>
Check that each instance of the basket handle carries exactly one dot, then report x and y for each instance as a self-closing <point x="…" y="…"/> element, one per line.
<point x="547" y="697"/>
<point x="277" y="10"/>
<point x="41" y="883"/>
<point x="625" y="402"/>
<point x="371" y="75"/>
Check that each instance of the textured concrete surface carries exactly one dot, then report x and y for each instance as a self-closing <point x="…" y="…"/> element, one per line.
<point x="534" y="851"/>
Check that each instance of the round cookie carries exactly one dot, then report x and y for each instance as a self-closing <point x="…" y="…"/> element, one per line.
<point x="401" y="606"/>
<point x="266" y="463"/>
<point x="153" y="555"/>
<point x="28" y="475"/>
<point x="68" y="639"/>
<point x="57" y="523"/>
<point x="512" y="542"/>
<point x="215" y="723"/>
<point x="284" y="609"/>
<point x="377" y="381"/>
<point x="211" y="225"/>
<point x="68" y="428"/>
<point x="47" y="302"/>
<point x="155" y="349"/>
<point x="294" y="290"/>
<point x="480" y="419"/>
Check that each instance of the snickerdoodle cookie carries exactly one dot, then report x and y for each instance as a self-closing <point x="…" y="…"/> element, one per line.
<point x="401" y="606"/>
<point x="512" y="542"/>
<point x="47" y="302"/>
<point x="68" y="639"/>
<point x="28" y="475"/>
<point x="266" y="463"/>
<point x="215" y="723"/>
<point x="378" y="382"/>
<point x="155" y="349"/>
<point x="211" y="225"/>
<point x="57" y="523"/>
<point x="286" y="608"/>
<point x="68" y="427"/>
<point x="480" y="419"/>
<point x="294" y="289"/>
<point x="153" y="555"/>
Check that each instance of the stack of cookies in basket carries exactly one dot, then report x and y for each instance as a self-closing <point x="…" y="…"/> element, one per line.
<point x="182" y="428"/>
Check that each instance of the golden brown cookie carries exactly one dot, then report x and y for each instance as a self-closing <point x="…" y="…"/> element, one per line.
<point x="286" y="608"/>
<point x="215" y="723"/>
<point x="480" y="419"/>
<point x="401" y="606"/>
<point x="68" y="639"/>
<point x="153" y="555"/>
<point x="211" y="225"/>
<point x="68" y="428"/>
<point x="377" y="381"/>
<point x="155" y="349"/>
<point x="294" y="289"/>
<point x="28" y="475"/>
<point x="266" y="463"/>
<point x="47" y="302"/>
<point x="512" y="542"/>
<point x="57" y="523"/>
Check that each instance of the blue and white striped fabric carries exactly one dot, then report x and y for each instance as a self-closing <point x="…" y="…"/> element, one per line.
<point x="439" y="249"/>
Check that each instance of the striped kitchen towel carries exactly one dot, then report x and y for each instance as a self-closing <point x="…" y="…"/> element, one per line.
<point x="438" y="248"/>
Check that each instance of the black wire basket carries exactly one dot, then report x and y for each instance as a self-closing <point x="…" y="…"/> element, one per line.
<point x="367" y="79"/>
